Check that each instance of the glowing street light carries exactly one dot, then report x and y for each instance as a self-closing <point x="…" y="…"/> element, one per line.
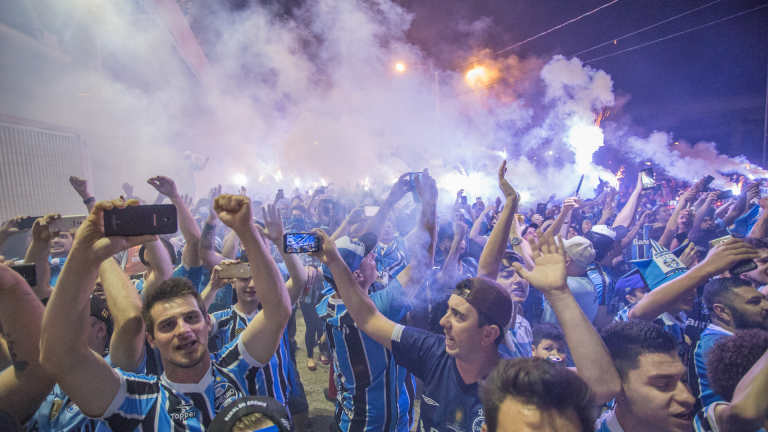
<point x="400" y="67"/>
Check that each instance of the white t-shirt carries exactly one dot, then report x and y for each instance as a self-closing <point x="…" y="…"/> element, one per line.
<point x="585" y="293"/>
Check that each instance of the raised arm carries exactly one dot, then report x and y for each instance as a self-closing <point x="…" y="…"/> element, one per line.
<point x="748" y="409"/>
<point x="24" y="386"/>
<point x="82" y="374"/>
<point x="424" y="238"/>
<point x="216" y="283"/>
<point x="740" y="206"/>
<point x="490" y="259"/>
<point x="398" y="191"/>
<point x="187" y="223"/>
<point x="672" y="225"/>
<point x="160" y="262"/>
<point x="126" y="349"/>
<point x="452" y="268"/>
<point x="262" y="336"/>
<point x="701" y="213"/>
<point x="39" y="251"/>
<point x="8" y="229"/>
<point x="356" y="216"/>
<point x="760" y="230"/>
<point x="720" y="259"/>
<point x="568" y="206"/>
<point x="628" y="212"/>
<point x="81" y="187"/>
<point x="273" y="222"/>
<point x="474" y="233"/>
<point x="593" y="362"/>
<point x="362" y="309"/>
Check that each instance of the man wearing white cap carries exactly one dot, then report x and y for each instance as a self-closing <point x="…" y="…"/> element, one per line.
<point x="607" y="244"/>
<point x="579" y="255"/>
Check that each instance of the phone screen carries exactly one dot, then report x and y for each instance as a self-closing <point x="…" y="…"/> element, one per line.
<point x="371" y="211"/>
<point x="707" y="180"/>
<point x="541" y="209"/>
<point x="647" y="178"/>
<point x="294" y="243"/>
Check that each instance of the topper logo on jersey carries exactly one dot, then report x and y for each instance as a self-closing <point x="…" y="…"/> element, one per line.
<point x="183" y="412"/>
<point x="224" y="393"/>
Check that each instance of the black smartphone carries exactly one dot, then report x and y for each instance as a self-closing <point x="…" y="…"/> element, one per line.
<point x="28" y="272"/>
<point x="414" y="194"/>
<point x="27" y="222"/>
<point x="464" y="199"/>
<point x="743" y="266"/>
<point x="707" y="180"/>
<point x="541" y="209"/>
<point x="647" y="178"/>
<point x="141" y="220"/>
<point x="295" y="243"/>
<point x="725" y="194"/>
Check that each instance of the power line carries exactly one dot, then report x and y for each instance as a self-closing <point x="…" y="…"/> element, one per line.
<point x="499" y="81"/>
<point x="677" y="34"/>
<point x="646" y="28"/>
<point x="542" y="34"/>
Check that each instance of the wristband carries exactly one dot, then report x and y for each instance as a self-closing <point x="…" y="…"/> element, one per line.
<point x="89" y="200"/>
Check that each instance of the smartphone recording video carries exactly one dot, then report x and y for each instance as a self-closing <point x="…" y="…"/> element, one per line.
<point x="28" y="272"/>
<point x="27" y="222"/>
<point x="295" y="243"/>
<point x="235" y="271"/>
<point x="647" y="178"/>
<point x="66" y="223"/>
<point x="153" y="219"/>
<point x="414" y="194"/>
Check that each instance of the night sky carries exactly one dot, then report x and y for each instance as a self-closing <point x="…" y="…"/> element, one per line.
<point x="708" y="84"/>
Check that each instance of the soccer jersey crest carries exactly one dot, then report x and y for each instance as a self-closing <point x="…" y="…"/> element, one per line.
<point x="224" y="394"/>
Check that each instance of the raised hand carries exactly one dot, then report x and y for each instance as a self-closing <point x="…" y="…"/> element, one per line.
<point x="401" y="187"/>
<point x="273" y="225"/>
<point x="726" y="255"/>
<point x="688" y="258"/>
<point x="11" y="227"/>
<point x="128" y="189"/>
<point x="165" y="186"/>
<point x="426" y="187"/>
<point x="459" y="229"/>
<point x="216" y="282"/>
<point x="506" y="188"/>
<point x="90" y="241"/>
<point x="537" y="219"/>
<point x="357" y="215"/>
<point x="571" y="203"/>
<point x="40" y="231"/>
<point x="713" y="196"/>
<point x="234" y="210"/>
<point x="645" y="217"/>
<point x="80" y="185"/>
<point x="187" y="201"/>
<point x="328" y="253"/>
<point x="549" y="275"/>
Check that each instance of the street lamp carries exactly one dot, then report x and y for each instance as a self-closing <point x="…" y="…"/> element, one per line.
<point x="400" y="67"/>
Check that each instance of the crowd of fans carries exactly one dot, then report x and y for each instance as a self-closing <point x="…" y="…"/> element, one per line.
<point x="629" y="309"/>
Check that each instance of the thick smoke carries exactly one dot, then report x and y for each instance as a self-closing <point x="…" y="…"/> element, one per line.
<point x="312" y="96"/>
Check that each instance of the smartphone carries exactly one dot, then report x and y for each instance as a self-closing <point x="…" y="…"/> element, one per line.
<point x="647" y="178"/>
<point x="725" y="194"/>
<point x="673" y="202"/>
<point x="541" y="209"/>
<point x="464" y="199"/>
<point x="141" y="220"/>
<point x="740" y="267"/>
<point x="707" y="180"/>
<point x="66" y="223"/>
<point x="294" y="243"/>
<point x="371" y="211"/>
<point x="28" y="272"/>
<point x="27" y="222"/>
<point x="414" y="194"/>
<point x="235" y="271"/>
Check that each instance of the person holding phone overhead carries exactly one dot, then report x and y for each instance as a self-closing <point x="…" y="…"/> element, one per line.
<point x="196" y="384"/>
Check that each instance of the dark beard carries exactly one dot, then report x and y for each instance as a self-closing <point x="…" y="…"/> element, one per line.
<point x="742" y="322"/>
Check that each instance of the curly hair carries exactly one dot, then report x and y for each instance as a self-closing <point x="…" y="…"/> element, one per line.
<point x="547" y="331"/>
<point x="628" y="340"/>
<point x="540" y="383"/>
<point x="730" y="359"/>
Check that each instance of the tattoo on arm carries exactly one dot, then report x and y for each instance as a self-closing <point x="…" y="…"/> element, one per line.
<point x="18" y="364"/>
<point x="207" y="236"/>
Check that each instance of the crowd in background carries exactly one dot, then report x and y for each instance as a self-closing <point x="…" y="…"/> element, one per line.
<point x="633" y="308"/>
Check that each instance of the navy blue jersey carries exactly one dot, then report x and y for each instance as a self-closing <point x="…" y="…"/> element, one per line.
<point x="448" y="403"/>
<point x="374" y="392"/>
<point x="275" y="380"/>
<point x="641" y="245"/>
<point x="156" y="404"/>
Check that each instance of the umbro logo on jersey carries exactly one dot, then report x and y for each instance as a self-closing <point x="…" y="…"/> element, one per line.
<point x="429" y="401"/>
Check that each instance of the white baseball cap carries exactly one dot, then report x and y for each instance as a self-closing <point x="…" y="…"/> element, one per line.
<point x="580" y="250"/>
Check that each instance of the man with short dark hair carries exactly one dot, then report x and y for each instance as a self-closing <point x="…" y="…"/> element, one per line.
<point x="196" y="384"/>
<point x="653" y="396"/>
<point x="733" y="304"/>
<point x="518" y="396"/>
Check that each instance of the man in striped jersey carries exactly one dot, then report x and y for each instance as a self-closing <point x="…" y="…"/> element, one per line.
<point x="278" y="380"/>
<point x="734" y="304"/>
<point x="374" y="392"/>
<point x="196" y="384"/>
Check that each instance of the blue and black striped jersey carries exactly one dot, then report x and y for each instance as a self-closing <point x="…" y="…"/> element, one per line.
<point x="697" y="367"/>
<point x="374" y="392"/>
<point x="674" y="325"/>
<point x="156" y="404"/>
<point x="277" y="378"/>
